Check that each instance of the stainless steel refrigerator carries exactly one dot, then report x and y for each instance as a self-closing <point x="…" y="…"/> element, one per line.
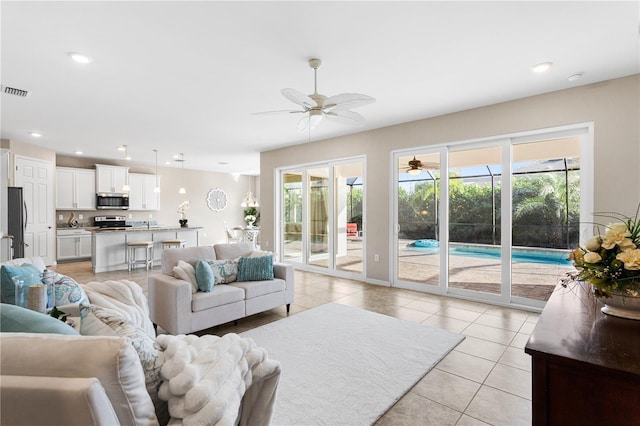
<point x="17" y="220"/>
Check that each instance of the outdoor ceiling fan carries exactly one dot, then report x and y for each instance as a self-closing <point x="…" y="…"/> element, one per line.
<point x="317" y="106"/>
<point x="415" y="166"/>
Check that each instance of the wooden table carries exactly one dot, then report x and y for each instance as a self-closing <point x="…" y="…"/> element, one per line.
<point x="585" y="364"/>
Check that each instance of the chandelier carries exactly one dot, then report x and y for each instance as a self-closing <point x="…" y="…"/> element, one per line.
<point x="249" y="201"/>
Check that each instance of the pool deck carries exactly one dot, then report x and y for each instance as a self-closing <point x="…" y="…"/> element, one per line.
<point x="529" y="280"/>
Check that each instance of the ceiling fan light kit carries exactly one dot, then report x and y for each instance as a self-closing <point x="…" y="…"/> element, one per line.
<point x="318" y="106"/>
<point x="414" y="167"/>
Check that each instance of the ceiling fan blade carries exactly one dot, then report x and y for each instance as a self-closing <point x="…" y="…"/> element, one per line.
<point x="347" y="101"/>
<point x="299" y="98"/>
<point x="430" y="165"/>
<point x="345" y="116"/>
<point x="283" y="111"/>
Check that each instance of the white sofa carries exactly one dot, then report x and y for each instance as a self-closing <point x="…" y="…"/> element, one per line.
<point x="100" y="380"/>
<point x="58" y="379"/>
<point x="174" y="307"/>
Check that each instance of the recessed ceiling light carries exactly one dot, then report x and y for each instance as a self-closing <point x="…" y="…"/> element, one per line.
<point x="542" y="67"/>
<point x="78" y="152"/>
<point x="35" y="134"/>
<point x="121" y="148"/>
<point x="575" y="77"/>
<point x="167" y="162"/>
<point x="79" y="57"/>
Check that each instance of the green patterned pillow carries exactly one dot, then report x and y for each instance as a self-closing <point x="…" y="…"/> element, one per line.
<point x="255" y="268"/>
<point x="225" y="271"/>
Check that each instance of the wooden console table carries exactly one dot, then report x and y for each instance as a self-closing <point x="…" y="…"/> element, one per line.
<point x="585" y="364"/>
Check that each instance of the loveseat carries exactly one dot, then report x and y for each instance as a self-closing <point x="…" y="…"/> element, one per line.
<point x="175" y="307"/>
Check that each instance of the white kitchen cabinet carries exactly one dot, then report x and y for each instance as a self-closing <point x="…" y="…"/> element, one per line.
<point x="142" y="195"/>
<point x="75" y="189"/>
<point x="111" y="178"/>
<point x="73" y="244"/>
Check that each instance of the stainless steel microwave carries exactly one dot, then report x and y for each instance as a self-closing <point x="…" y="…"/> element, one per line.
<point x="110" y="201"/>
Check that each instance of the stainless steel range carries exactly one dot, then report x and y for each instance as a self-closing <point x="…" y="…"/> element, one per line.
<point x="110" y="222"/>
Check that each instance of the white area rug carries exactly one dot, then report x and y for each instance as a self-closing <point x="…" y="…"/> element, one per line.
<point x="347" y="366"/>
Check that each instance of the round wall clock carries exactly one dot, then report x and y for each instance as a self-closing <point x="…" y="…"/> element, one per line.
<point x="217" y="199"/>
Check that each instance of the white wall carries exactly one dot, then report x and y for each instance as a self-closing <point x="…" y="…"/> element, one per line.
<point x="613" y="106"/>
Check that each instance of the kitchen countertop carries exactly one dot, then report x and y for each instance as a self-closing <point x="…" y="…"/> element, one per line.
<point x="152" y="228"/>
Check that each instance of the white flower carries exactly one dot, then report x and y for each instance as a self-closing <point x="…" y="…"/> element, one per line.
<point x="183" y="207"/>
<point x="617" y="234"/>
<point x="594" y="244"/>
<point x="592" y="257"/>
<point x="631" y="259"/>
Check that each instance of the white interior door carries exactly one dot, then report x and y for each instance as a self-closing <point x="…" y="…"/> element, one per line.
<point x="36" y="179"/>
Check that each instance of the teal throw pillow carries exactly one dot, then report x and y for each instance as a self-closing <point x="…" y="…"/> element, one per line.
<point x="225" y="271"/>
<point x="29" y="273"/>
<point x="14" y="319"/>
<point x="255" y="268"/>
<point x="204" y="276"/>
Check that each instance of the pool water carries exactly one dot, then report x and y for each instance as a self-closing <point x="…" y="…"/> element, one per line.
<point x="547" y="257"/>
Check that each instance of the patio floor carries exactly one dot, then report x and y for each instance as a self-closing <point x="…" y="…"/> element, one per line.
<point x="529" y="280"/>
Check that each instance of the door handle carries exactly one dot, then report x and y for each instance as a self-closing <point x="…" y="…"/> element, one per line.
<point x="26" y="215"/>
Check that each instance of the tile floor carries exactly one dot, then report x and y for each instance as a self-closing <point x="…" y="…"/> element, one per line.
<point x="486" y="379"/>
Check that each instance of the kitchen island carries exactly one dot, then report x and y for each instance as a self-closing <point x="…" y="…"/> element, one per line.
<point x="109" y="246"/>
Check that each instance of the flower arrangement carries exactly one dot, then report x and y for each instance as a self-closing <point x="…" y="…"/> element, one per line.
<point x="611" y="263"/>
<point x="182" y="208"/>
<point x="250" y="219"/>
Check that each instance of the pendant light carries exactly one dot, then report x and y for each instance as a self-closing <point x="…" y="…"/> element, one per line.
<point x="157" y="188"/>
<point x="182" y="190"/>
<point x="126" y="187"/>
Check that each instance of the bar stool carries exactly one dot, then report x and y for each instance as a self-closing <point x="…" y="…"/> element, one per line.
<point x="173" y="243"/>
<point x="133" y="246"/>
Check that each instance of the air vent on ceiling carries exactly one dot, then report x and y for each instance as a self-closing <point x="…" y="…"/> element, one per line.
<point x="16" y="92"/>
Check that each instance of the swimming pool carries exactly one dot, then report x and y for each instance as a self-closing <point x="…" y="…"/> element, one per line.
<point x="518" y="254"/>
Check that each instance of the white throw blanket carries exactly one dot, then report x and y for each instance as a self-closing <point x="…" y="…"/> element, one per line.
<point x="211" y="380"/>
<point x="123" y="296"/>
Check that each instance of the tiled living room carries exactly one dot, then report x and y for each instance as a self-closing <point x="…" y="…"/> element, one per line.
<point x="422" y="171"/>
<point x="486" y="379"/>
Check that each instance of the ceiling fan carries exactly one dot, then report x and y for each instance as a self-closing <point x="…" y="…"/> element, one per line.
<point x="317" y="106"/>
<point x="415" y="166"/>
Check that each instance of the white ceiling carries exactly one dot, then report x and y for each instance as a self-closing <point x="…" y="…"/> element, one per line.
<point x="186" y="76"/>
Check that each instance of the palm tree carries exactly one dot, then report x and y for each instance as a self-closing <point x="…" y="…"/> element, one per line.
<point x="547" y="199"/>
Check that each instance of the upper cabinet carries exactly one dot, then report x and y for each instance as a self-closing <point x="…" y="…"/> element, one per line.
<point x="141" y="194"/>
<point x="111" y="178"/>
<point x="75" y="189"/>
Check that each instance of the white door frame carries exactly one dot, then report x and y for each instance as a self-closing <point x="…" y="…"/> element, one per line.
<point x="279" y="216"/>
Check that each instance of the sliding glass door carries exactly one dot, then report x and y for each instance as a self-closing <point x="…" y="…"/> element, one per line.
<point x="418" y="213"/>
<point x="317" y="185"/>
<point x="322" y="210"/>
<point x="474" y="219"/>
<point x="492" y="220"/>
